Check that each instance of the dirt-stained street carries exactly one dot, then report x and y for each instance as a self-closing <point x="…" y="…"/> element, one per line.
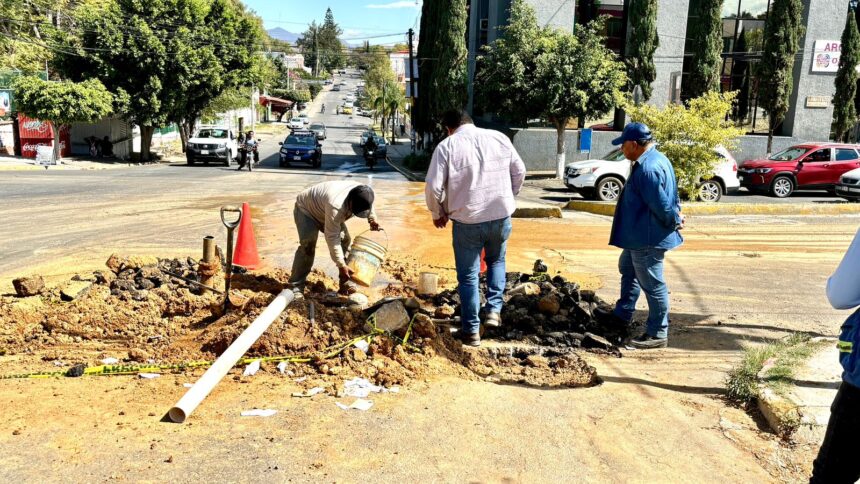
<point x="657" y="416"/>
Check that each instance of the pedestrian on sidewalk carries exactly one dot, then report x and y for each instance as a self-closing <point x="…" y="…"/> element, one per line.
<point x="837" y="458"/>
<point x="325" y="208"/>
<point x="473" y="178"/>
<point x="647" y="223"/>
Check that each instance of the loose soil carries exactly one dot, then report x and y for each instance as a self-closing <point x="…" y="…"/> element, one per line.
<point x="138" y="313"/>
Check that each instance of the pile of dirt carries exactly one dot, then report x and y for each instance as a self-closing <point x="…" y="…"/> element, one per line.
<point x="139" y="313"/>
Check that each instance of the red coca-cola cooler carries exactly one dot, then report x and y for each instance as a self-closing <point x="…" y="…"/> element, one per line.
<point x="36" y="133"/>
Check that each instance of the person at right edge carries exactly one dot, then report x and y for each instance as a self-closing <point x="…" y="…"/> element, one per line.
<point x="647" y="223"/>
<point x="474" y="176"/>
<point x="837" y="460"/>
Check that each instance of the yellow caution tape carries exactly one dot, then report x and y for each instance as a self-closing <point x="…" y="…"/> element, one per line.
<point x="324" y="354"/>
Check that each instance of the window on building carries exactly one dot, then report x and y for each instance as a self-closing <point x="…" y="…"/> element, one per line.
<point x="743" y="34"/>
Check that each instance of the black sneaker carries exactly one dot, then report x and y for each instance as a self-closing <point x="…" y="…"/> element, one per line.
<point x="469" y="339"/>
<point x="648" y="342"/>
<point x="608" y="316"/>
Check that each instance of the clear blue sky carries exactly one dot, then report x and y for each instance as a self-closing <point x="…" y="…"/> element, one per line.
<point x="359" y="19"/>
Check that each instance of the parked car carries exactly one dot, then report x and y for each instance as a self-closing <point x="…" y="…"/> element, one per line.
<point x="301" y="146"/>
<point x="305" y="119"/>
<point x="336" y="87"/>
<point x="346" y="108"/>
<point x="849" y="185"/>
<point x="603" y="179"/>
<point x="809" y="166"/>
<point x="302" y="106"/>
<point x="212" y="144"/>
<point x="349" y="99"/>
<point x="328" y="82"/>
<point x="320" y="130"/>
<point x="296" y="123"/>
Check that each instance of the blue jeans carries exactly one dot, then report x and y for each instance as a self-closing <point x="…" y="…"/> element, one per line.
<point x="642" y="270"/>
<point x="469" y="241"/>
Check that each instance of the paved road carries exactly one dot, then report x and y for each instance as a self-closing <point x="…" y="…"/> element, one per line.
<point x="73" y="217"/>
<point x="545" y="190"/>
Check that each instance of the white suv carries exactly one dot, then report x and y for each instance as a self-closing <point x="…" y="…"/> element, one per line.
<point x="212" y="143"/>
<point x="603" y="179"/>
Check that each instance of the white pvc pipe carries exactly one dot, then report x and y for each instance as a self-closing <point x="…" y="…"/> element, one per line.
<point x="192" y="398"/>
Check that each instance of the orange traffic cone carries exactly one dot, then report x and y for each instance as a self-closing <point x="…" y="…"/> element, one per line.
<point x="246" y="254"/>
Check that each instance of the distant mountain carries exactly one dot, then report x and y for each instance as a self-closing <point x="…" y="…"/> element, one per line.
<point x="283" y="35"/>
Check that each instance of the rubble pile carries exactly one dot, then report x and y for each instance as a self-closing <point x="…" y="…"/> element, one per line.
<point x="136" y="311"/>
<point x="546" y="311"/>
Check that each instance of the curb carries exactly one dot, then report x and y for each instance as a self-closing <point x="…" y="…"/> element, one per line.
<point x="835" y="208"/>
<point x="407" y="173"/>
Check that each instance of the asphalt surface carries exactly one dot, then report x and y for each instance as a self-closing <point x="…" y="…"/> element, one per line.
<point x="545" y="190"/>
<point x="72" y="215"/>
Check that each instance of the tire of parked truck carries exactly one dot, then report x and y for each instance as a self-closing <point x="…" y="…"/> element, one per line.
<point x="608" y="189"/>
<point x="710" y="191"/>
<point x="190" y="160"/>
<point x="782" y="186"/>
<point x="228" y="157"/>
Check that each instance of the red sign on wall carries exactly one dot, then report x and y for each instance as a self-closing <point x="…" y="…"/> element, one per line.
<point x="40" y="133"/>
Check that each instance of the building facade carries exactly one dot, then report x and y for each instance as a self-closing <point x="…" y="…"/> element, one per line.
<point x="811" y="111"/>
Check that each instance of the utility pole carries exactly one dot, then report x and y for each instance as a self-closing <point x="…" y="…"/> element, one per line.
<point x="316" y="53"/>
<point x="411" y="84"/>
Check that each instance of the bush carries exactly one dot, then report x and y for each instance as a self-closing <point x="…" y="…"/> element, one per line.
<point x="314" y="89"/>
<point x="688" y="135"/>
<point x="417" y="161"/>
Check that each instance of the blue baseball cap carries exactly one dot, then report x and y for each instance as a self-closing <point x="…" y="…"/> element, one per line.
<point x="633" y="132"/>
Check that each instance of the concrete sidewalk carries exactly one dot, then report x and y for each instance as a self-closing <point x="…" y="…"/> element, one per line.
<point x="803" y="410"/>
<point x="8" y="163"/>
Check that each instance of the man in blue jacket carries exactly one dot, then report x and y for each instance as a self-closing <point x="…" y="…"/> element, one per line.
<point x="646" y="224"/>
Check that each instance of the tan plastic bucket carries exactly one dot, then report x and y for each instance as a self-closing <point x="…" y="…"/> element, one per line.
<point x="365" y="258"/>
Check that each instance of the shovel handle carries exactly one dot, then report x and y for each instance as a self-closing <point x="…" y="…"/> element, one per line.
<point x="231" y="209"/>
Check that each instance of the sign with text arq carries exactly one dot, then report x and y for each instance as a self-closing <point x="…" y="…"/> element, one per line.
<point x="825" y="55"/>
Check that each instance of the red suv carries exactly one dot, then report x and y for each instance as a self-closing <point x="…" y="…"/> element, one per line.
<point x="813" y="166"/>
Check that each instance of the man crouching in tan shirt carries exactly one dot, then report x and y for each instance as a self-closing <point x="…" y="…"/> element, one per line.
<point x="325" y="208"/>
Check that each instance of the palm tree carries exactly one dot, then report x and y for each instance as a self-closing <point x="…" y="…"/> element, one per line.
<point x="387" y="101"/>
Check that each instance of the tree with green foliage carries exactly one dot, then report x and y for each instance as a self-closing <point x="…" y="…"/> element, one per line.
<point x="229" y="100"/>
<point x="782" y="33"/>
<point x="740" y="78"/>
<point x="166" y="61"/>
<point x="25" y="32"/>
<point x="551" y="74"/>
<point x="706" y="47"/>
<point x="321" y="45"/>
<point x="442" y="56"/>
<point x="844" y="110"/>
<point x="63" y="102"/>
<point x="641" y="45"/>
<point x="387" y="101"/>
<point x="688" y="135"/>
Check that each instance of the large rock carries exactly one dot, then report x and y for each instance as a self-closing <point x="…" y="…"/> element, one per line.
<point x="444" y="312"/>
<point x="549" y="305"/>
<point x="115" y="263"/>
<point x="29" y="286"/>
<point x="137" y="262"/>
<point x="423" y="326"/>
<point x="74" y="290"/>
<point x="526" y="289"/>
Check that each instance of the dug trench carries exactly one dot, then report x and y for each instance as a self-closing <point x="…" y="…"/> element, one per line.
<point x="138" y="312"/>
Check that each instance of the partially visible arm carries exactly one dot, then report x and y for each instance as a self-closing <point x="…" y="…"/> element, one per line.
<point x="333" y="221"/>
<point x="651" y="188"/>
<point x="843" y="287"/>
<point x="518" y="171"/>
<point x="436" y="180"/>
